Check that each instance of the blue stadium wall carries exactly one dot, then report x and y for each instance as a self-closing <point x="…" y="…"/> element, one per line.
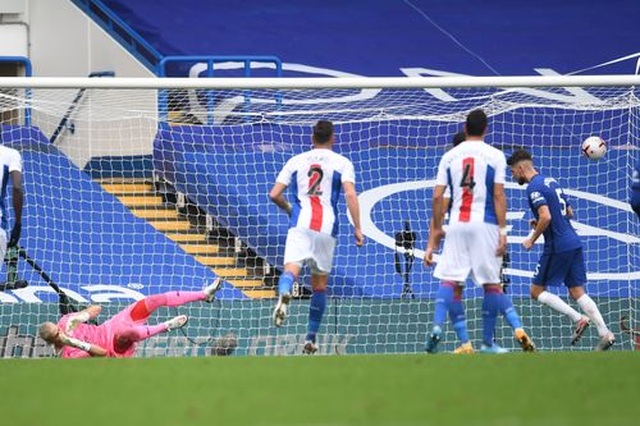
<point x="228" y="171"/>
<point x="86" y="239"/>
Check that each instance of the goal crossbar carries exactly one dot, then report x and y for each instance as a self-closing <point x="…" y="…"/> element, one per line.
<point x="324" y="82"/>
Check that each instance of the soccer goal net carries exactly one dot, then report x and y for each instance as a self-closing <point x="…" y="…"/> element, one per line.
<point x="135" y="187"/>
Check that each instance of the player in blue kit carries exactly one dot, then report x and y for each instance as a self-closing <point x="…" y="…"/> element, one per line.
<point x="562" y="259"/>
<point x="635" y="190"/>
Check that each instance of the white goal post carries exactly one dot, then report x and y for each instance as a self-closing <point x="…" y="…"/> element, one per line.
<point x="136" y="186"/>
<point x="320" y="82"/>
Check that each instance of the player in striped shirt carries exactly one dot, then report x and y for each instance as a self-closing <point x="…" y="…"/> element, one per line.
<point x="316" y="178"/>
<point x="477" y="236"/>
<point x="449" y="296"/>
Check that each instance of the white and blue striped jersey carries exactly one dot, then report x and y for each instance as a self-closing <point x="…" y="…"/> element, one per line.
<point x="10" y="161"/>
<point x="470" y="171"/>
<point x="316" y="179"/>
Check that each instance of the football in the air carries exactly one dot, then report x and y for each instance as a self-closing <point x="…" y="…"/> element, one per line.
<point x="594" y="147"/>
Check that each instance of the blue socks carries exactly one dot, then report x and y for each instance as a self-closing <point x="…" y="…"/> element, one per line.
<point x="444" y="297"/>
<point x="446" y="303"/>
<point x="285" y="283"/>
<point x="456" y="313"/>
<point x="510" y="313"/>
<point x="492" y="304"/>
<point x="316" y="311"/>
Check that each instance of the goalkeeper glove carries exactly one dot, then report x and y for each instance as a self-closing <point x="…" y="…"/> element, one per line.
<point x="76" y="320"/>
<point x="15" y="235"/>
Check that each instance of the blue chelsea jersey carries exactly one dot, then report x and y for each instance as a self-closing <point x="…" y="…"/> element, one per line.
<point x="559" y="235"/>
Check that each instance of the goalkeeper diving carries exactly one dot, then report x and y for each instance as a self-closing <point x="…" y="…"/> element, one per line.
<point x="73" y="337"/>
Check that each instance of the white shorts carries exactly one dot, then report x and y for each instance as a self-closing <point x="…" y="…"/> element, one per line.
<point x="470" y="249"/>
<point x="310" y="247"/>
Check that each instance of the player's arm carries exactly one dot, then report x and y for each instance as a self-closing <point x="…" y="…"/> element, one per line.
<point x="277" y="196"/>
<point x="89" y="348"/>
<point x="500" y="206"/>
<point x="539" y="226"/>
<point x="435" y="224"/>
<point x="445" y="207"/>
<point x="83" y="316"/>
<point x="351" y="197"/>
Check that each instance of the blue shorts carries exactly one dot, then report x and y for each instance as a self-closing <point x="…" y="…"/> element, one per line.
<point x="556" y="268"/>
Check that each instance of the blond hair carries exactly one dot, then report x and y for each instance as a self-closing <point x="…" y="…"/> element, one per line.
<point x="47" y="331"/>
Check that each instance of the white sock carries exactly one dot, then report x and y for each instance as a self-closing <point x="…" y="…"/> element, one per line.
<point x="554" y="302"/>
<point x="589" y="307"/>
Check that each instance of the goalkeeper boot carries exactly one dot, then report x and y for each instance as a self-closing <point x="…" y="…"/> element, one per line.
<point x="524" y="340"/>
<point x="211" y="290"/>
<point x="493" y="349"/>
<point x="605" y="342"/>
<point x="433" y="340"/>
<point x="465" y="348"/>
<point x="581" y="326"/>
<point x="177" y="322"/>
<point x="280" y="312"/>
<point x="309" y="348"/>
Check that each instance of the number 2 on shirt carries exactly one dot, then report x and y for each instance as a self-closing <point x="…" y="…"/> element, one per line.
<point x="315" y="175"/>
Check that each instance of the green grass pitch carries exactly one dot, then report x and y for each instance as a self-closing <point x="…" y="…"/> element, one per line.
<point x="550" y="389"/>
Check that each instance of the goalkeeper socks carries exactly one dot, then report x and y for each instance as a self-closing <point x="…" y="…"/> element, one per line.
<point x="557" y="304"/>
<point x="143" y="308"/>
<point x="589" y="307"/>
<point x="316" y="311"/>
<point x="444" y="297"/>
<point x="491" y="304"/>
<point x="285" y="283"/>
<point x="458" y="319"/>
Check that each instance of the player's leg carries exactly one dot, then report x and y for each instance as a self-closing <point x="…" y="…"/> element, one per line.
<point x="142" y="309"/>
<point x="323" y="247"/>
<point x="447" y="292"/>
<point x="459" y="321"/>
<point x="486" y="272"/>
<point x="576" y="279"/>
<point x="495" y="302"/>
<point x="581" y="322"/>
<point x="124" y="339"/>
<point x="452" y="269"/>
<point x="491" y="306"/>
<point x="297" y="250"/>
<point x="553" y="269"/>
<point x="285" y="283"/>
<point x="317" y="307"/>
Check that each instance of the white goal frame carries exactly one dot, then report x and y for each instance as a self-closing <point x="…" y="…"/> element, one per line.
<point x="153" y="88"/>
